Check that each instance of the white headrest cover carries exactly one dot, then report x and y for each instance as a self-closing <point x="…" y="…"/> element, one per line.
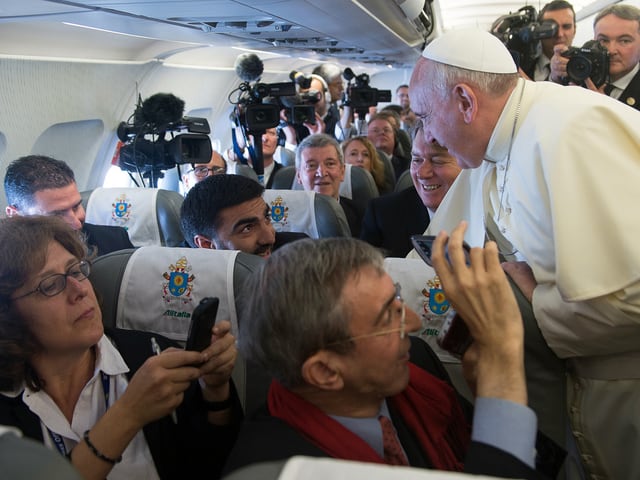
<point x="131" y="208"/>
<point x="161" y="286"/>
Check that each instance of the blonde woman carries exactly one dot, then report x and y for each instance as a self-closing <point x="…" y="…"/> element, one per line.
<point x="359" y="151"/>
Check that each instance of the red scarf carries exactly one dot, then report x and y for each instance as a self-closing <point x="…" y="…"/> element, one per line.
<point x="428" y="406"/>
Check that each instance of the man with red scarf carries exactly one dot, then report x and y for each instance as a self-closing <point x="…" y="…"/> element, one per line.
<point x="325" y="320"/>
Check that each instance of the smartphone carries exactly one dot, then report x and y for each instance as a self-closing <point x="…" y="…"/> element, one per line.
<point x="454" y="336"/>
<point x="424" y="246"/>
<point x="202" y="321"/>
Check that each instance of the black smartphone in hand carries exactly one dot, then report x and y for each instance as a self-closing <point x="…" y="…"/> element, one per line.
<point x="202" y="321"/>
<point x="424" y="246"/>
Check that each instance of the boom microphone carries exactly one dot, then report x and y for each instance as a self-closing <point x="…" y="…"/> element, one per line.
<point x="159" y="110"/>
<point x="300" y="78"/>
<point x="248" y="67"/>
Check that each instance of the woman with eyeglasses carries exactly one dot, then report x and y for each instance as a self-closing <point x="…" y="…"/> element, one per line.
<point x="109" y="401"/>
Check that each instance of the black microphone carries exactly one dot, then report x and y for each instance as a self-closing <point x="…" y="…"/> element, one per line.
<point x="300" y="78"/>
<point x="348" y="74"/>
<point x="159" y="110"/>
<point x="248" y="67"/>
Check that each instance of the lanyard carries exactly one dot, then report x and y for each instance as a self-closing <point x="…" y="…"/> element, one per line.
<point x="57" y="439"/>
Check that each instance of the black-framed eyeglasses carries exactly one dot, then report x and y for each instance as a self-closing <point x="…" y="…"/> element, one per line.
<point x="202" y="172"/>
<point x="401" y="329"/>
<point x="56" y="283"/>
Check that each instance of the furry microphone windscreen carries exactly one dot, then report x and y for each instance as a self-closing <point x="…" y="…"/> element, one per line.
<point x="159" y="110"/>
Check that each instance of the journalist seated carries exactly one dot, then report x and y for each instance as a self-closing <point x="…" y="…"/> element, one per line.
<point x="117" y="403"/>
<point x="325" y="320"/>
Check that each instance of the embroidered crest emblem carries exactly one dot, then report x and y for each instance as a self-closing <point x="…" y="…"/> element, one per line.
<point x="437" y="302"/>
<point x="179" y="282"/>
<point x="279" y="212"/>
<point x="121" y="210"/>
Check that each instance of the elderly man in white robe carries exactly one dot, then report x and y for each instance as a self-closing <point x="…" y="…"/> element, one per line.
<point x="554" y="176"/>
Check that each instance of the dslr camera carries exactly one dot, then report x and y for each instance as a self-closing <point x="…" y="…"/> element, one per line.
<point x="520" y="33"/>
<point x="589" y="61"/>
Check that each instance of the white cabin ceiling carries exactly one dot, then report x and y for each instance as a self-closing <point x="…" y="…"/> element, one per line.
<point x="349" y="30"/>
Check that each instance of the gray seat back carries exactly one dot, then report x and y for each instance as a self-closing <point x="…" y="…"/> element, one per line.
<point x="136" y="291"/>
<point x="157" y="224"/>
<point x="404" y="181"/>
<point x="358" y="184"/>
<point x="317" y="215"/>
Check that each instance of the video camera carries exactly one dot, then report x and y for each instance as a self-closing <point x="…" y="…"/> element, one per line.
<point x="589" y="61"/>
<point x="154" y="141"/>
<point x="520" y="32"/>
<point x="359" y="94"/>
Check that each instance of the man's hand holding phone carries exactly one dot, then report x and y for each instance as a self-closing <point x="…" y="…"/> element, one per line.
<point x="478" y="289"/>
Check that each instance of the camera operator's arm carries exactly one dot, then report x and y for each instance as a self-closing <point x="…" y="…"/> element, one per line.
<point x="558" y="64"/>
<point x="317" y="128"/>
<point x="291" y="139"/>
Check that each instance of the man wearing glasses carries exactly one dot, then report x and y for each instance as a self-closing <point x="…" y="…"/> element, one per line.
<point x="199" y="171"/>
<point x="328" y="324"/>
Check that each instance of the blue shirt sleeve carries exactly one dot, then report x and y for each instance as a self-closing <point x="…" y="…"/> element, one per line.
<point x="506" y="425"/>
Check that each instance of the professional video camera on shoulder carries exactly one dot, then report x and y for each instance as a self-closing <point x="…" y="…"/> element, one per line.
<point x="520" y="33"/>
<point x="154" y="139"/>
<point x="359" y="94"/>
<point x="589" y="61"/>
<point x="254" y="114"/>
<point x="300" y="108"/>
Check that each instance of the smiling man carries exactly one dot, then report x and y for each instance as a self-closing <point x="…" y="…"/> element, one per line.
<point x="227" y="212"/>
<point x="390" y="220"/>
<point x="320" y="167"/>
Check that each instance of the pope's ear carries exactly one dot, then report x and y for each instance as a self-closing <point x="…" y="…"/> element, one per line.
<point x="322" y="370"/>
<point x="466" y="101"/>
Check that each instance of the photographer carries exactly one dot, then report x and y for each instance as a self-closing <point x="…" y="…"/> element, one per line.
<point x="616" y="28"/>
<point x="562" y="13"/>
<point x="338" y="118"/>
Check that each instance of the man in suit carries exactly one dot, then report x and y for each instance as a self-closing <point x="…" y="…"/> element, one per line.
<point x="328" y="324"/>
<point x="390" y="220"/>
<point x="617" y="28"/>
<point x="41" y="185"/>
<point x="227" y="212"/>
<point x="320" y="168"/>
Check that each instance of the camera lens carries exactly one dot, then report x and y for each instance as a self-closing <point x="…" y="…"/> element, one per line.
<point x="579" y="68"/>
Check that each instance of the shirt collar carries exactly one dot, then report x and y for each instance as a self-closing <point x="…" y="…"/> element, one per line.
<point x="500" y="141"/>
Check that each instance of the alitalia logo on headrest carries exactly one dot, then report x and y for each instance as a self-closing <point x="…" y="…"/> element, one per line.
<point x="178" y="283"/>
<point x="177" y="314"/>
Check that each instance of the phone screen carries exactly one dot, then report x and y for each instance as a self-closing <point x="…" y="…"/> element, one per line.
<point x="202" y="321"/>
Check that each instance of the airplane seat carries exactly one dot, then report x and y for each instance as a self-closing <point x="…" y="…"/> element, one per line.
<point x="422" y="292"/>
<point x="358" y="183"/>
<point x="155" y="288"/>
<point x="359" y="186"/>
<point x="285" y="178"/>
<point x="389" y="172"/>
<point x="150" y="215"/>
<point x="404" y="181"/>
<point x="318" y="216"/>
<point x="287" y="157"/>
<point x="245" y="171"/>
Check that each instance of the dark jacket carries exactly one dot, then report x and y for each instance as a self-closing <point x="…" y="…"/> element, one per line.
<point x="354" y="215"/>
<point x="631" y="95"/>
<point x="182" y="450"/>
<point x="390" y="220"/>
<point x="106" y="238"/>
<point x="264" y="438"/>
